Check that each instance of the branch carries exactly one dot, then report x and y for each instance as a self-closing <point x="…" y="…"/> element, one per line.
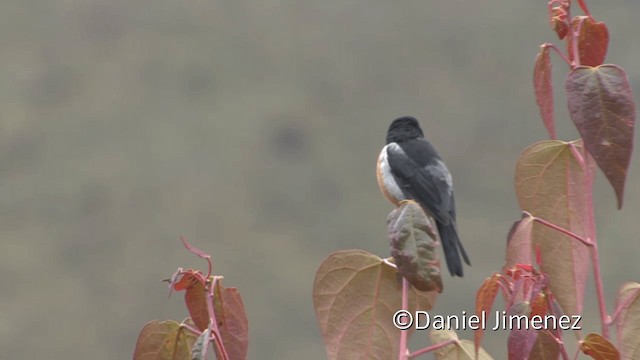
<point x="559" y="229"/>
<point x="558" y="51"/>
<point x="584" y="8"/>
<point x="575" y="37"/>
<point x="612" y="319"/>
<point x="189" y="327"/>
<point x="595" y="258"/>
<point x="213" y="323"/>
<point x="577" y="155"/>
<point x="431" y="348"/>
<point x="403" y="354"/>
<point x="604" y="317"/>
<point x="199" y="253"/>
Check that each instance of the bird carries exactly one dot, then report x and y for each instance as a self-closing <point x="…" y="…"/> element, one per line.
<point x="409" y="168"/>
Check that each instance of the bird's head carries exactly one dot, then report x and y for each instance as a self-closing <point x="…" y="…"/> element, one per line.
<point x="403" y="129"/>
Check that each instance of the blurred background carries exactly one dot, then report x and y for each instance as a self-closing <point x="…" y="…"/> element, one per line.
<point x="252" y="128"/>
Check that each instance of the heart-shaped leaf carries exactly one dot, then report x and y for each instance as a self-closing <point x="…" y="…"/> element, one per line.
<point x="459" y="350"/>
<point x="551" y="184"/>
<point x="628" y="323"/>
<point x="602" y="107"/>
<point x="164" y="340"/>
<point x="355" y="295"/>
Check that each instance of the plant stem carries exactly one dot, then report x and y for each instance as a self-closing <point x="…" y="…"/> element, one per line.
<point x="595" y="258"/>
<point x="558" y="51"/>
<point x="191" y="328"/>
<point x="575" y="356"/>
<point x="403" y="354"/>
<point x="583" y="6"/>
<point x="213" y="323"/>
<point x="431" y="348"/>
<point x="575" y="37"/>
<point x="562" y="230"/>
<point x="622" y="305"/>
<point x="604" y="317"/>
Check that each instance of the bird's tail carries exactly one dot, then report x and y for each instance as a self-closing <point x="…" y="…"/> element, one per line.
<point x="452" y="248"/>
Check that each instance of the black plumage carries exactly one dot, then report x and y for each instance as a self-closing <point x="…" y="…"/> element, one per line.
<point x="419" y="174"/>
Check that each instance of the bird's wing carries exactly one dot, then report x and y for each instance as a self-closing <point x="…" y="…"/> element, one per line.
<point x="430" y="184"/>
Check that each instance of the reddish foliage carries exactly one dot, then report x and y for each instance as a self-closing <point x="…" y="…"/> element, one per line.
<point x="544" y="89"/>
<point x="520" y="343"/>
<point x="599" y="348"/>
<point x="602" y="107"/>
<point x="229" y="334"/>
<point x="485" y="297"/>
<point x="539" y="305"/>
<point x="232" y="321"/>
<point x="188" y="279"/>
<point x="558" y="20"/>
<point x="593" y="41"/>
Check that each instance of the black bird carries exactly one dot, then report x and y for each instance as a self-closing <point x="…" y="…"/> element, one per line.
<point x="409" y="168"/>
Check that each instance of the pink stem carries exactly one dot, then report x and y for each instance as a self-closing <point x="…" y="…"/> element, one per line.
<point x="604" y="317"/>
<point x="575" y="37"/>
<point x="431" y="348"/>
<point x="403" y="333"/>
<point x="562" y="230"/>
<point x="575" y="356"/>
<point x="578" y="156"/>
<point x="595" y="258"/>
<point x="191" y="328"/>
<point x="560" y="53"/>
<point x="613" y="318"/>
<point x="583" y="6"/>
<point x="505" y="290"/>
<point x="213" y="323"/>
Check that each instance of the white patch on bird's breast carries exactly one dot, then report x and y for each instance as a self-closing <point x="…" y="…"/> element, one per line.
<point x="386" y="181"/>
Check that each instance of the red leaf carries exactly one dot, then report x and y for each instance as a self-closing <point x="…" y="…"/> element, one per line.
<point x="593" y="41"/>
<point x="232" y="321"/>
<point x="188" y="279"/>
<point x="599" y="348"/>
<point x="485" y="297"/>
<point x="194" y="297"/>
<point x="164" y="340"/>
<point x="539" y="305"/>
<point x="519" y="244"/>
<point x="561" y="28"/>
<point x="521" y="342"/>
<point x="196" y="300"/>
<point x="194" y="249"/>
<point x="544" y="89"/>
<point x="602" y="107"/>
<point x="558" y="19"/>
